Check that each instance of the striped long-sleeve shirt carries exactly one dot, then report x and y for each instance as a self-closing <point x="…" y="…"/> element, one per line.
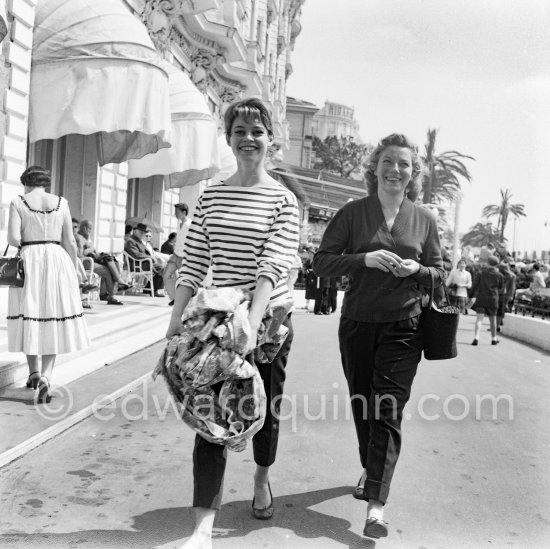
<point x="243" y="233"/>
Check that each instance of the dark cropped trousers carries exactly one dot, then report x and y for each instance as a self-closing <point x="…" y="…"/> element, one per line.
<point x="380" y="362"/>
<point x="209" y="459"/>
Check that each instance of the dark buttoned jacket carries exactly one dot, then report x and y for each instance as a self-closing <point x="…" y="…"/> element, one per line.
<point x="359" y="227"/>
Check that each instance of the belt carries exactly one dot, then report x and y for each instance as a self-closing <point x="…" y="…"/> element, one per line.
<point x="33" y="242"/>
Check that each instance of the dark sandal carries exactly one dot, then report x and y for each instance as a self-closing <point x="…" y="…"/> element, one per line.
<point x="375" y="528"/>
<point x="32" y="380"/>
<point x="267" y="512"/>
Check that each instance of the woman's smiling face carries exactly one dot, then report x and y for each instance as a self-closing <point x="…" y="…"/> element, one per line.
<point x="249" y="139"/>
<point x="394" y="170"/>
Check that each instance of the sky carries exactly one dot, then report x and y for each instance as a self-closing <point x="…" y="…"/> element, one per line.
<point x="476" y="70"/>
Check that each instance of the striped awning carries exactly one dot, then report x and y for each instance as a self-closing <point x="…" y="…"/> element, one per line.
<point x="96" y="71"/>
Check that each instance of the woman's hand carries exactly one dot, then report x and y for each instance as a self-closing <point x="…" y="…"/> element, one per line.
<point x="407" y="267"/>
<point x="384" y="260"/>
<point x="173" y="330"/>
<point x="252" y="342"/>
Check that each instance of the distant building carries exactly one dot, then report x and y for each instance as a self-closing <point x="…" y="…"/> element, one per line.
<point x="299" y="115"/>
<point x="336" y="119"/>
<point x="320" y="194"/>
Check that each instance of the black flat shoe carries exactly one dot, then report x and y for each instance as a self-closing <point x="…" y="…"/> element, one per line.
<point x="114" y="301"/>
<point x="267" y="512"/>
<point x="495" y="342"/>
<point x="375" y="528"/>
<point x="32" y="380"/>
<point x="44" y="394"/>
<point x="474" y="342"/>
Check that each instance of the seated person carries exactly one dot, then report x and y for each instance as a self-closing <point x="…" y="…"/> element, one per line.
<point x="105" y="265"/>
<point x="537" y="283"/>
<point x="85" y="282"/>
<point x="161" y="259"/>
<point x="168" y="246"/>
<point x="135" y="247"/>
<point x="127" y="232"/>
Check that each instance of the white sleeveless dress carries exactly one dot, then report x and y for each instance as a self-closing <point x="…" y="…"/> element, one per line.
<point x="45" y="316"/>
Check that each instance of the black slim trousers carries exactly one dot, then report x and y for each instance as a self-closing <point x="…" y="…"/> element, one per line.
<point x="380" y="362"/>
<point x="209" y="459"/>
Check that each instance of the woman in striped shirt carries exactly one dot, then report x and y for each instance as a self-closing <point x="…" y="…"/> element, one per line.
<point x="247" y="231"/>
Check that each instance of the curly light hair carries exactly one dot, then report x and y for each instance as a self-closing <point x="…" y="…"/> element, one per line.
<point x="399" y="140"/>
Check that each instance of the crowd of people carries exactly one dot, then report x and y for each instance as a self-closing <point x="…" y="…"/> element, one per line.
<point x="384" y="249"/>
<point x="490" y="285"/>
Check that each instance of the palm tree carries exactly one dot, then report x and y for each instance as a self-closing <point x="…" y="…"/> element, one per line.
<point x="440" y="181"/>
<point x="482" y="234"/>
<point x="503" y="210"/>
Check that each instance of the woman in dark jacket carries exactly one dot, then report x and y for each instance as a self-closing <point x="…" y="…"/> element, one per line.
<point x="390" y="250"/>
<point x="486" y="287"/>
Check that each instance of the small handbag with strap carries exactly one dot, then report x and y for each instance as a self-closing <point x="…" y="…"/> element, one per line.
<point x="11" y="270"/>
<point x="439" y="325"/>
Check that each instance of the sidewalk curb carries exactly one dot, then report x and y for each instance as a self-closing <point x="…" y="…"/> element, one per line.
<point x="30" y="444"/>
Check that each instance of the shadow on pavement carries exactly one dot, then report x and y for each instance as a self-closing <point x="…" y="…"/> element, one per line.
<point x="235" y="520"/>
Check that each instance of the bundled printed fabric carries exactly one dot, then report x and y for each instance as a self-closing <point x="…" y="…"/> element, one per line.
<point x="209" y="352"/>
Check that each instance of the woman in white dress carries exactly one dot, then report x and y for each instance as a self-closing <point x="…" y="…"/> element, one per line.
<point x="461" y="280"/>
<point x="45" y="316"/>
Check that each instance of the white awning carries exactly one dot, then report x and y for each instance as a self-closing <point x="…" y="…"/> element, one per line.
<point x="228" y="162"/>
<point x="96" y="71"/>
<point x="3" y="20"/>
<point x="194" y="155"/>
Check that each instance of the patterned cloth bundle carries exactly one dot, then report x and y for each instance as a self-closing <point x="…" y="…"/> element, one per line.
<point x="209" y="351"/>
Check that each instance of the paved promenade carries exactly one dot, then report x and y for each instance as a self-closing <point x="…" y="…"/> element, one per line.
<point x="470" y="475"/>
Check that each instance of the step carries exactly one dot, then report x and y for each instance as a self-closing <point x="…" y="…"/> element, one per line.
<point x="130" y="328"/>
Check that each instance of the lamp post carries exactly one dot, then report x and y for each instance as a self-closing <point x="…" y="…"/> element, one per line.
<point x="456" y="244"/>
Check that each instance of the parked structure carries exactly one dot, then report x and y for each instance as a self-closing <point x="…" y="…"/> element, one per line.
<point x="89" y="131"/>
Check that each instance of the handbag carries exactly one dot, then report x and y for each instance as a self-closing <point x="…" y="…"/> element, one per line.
<point x="439" y="328"/>
<point x="11" y="270"/>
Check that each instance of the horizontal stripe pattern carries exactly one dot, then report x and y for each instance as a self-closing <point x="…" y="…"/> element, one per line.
<point x="242" y="233"/>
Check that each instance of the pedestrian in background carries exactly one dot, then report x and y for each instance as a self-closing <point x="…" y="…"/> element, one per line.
<point x="168" y="245"/>
<point x="389" y="247"/>
<point x="486" y="287"/>
<point x="247" y="231"/>
<point x="333" y="293"/>
<point x="311" y="281"/>
<point x="322" y="296"/>
<point x="504" y="294"/>
<point x="45" y="316"/>
<point x="461" y="279"/>
<point x="174" y="263"/>
<point x="510" y="280"/>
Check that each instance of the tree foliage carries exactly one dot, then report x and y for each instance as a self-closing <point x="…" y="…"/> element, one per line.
<point x="482" y="234"/>
<point x="503" y="210"/>
<point x="340" y="155"/>
<point x="441" y="180"/>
